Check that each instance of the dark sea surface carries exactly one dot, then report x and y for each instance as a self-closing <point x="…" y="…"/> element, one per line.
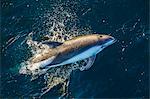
<point x="120" y="71"/>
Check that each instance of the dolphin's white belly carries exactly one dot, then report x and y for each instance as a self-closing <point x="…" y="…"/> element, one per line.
<point x="86" y="54"/>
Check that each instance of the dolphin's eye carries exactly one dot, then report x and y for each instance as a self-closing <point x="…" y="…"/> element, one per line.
<point x="101" y="36"/>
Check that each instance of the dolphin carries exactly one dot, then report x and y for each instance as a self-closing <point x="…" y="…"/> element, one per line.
<point x="71" y="51"/>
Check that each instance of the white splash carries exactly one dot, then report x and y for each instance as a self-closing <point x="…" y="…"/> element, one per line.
<point x="57" y="30"/>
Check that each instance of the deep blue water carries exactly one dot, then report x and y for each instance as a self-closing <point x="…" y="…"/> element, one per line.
<point x="120" y="71"/>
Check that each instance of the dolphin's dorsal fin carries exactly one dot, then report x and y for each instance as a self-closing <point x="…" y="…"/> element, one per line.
<point x="89" y="63"/>
<point x="52" y="44"/>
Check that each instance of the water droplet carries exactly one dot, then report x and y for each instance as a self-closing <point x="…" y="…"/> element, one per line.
<point x="103" y="20"/>
<point x="123" y="49"/>
<point x="142" y="73"/>
<point x="143" y="34"/>
<point x="121" y="58"/>
<point x="13" y="17"/>
<point x="10" y="3"/>
<point x="28" y="5"/>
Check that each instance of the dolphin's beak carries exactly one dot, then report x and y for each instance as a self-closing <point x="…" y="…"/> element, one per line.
<point x="113" y="39"/>
<point x="109" y="40"/>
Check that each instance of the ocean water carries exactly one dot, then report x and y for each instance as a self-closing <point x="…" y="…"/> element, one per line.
<point x="120" y="71"/>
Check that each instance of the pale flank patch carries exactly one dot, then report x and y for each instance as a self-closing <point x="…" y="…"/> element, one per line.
<point x="41" y="64"/>
<point x="86" y="54"/>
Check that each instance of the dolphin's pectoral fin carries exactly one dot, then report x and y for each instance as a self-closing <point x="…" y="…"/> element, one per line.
<point x="90" y="62"/>
<point x="52" y="44"/>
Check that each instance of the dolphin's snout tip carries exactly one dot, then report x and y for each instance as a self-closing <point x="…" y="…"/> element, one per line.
<point x="110" y="38"/>
<point x="113" y="39"/>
